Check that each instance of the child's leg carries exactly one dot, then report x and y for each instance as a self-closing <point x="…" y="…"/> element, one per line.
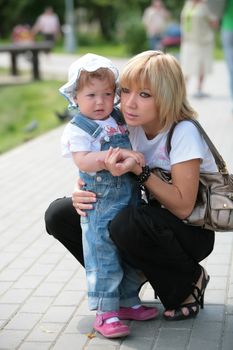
<point x="104" y="274"/>
<point x="102" y="264"/>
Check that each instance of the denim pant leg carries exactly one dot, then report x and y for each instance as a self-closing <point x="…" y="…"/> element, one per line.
<point x="129" y="286"/>
<point x="103" y="264"/>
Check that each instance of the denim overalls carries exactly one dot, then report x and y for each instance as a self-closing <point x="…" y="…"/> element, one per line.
<point x="111" y="283"/>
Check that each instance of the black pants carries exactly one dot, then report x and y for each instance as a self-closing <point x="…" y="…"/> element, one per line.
<point x="150" y="238"/>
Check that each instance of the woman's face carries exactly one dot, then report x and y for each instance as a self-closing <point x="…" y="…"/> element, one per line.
<point x="138" y="108"/>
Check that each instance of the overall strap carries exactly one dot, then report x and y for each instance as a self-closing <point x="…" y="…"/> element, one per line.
<point x="88" y="125"/>
<point x="117" y="115"/>
<point x="93" y="128"/>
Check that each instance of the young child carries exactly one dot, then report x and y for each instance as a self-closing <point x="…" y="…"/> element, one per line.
<point x="112" y="284"/>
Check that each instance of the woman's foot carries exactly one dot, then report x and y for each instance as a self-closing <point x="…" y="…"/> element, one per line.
<point x="113" y="329"/>
<point x="190" y="307"/>
<point x="141" y="313"/>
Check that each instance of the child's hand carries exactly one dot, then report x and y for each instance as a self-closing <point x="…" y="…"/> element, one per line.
<point x="120" y="161"/>
<point x="137" y="156"/>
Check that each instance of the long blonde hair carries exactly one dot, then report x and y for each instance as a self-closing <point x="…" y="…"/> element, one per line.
<point x="161" y="73"/>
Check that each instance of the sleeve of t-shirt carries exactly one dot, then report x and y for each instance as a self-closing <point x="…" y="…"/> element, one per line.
<point x="187" y="143"/>
<point x="74" y="139"/>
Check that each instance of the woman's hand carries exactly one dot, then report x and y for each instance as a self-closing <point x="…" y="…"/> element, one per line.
<point x="120" y="161"/>
<point x="82" y="199"/>
<point x="137" y="156"/>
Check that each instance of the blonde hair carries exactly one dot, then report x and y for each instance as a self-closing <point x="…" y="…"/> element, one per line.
<point x="162" y="75"/>
<point x="100" y="74"/>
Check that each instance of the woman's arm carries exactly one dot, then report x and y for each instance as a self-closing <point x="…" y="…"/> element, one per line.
<point x="179" y="197"/>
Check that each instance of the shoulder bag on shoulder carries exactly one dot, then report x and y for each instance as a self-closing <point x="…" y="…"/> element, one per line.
<point x="214" y="205"/>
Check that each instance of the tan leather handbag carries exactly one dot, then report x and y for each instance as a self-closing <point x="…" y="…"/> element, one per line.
<point x="214" y="205"/>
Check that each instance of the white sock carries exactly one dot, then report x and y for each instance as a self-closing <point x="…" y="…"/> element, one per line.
<point x="136" y="306"/>
<point x="109" y="320"/>
<point x="112" y="319"/>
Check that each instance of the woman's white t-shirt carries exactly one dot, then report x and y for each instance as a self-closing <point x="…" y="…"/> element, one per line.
<point x="187" y="143"/>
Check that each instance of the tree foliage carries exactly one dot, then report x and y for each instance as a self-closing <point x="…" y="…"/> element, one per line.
<point x="108" y="13"/>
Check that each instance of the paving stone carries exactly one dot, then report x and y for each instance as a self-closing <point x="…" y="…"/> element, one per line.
<point x="7" y="310"/>
<point x="227" y="341"/>
<point x="58" y="314"/>
<point x="48" y="289"/>
<point x="59" y="276"/>
<point x="4" y="286"/>
<point x="15" y="296"/>
<point x="69" y="298"/>
<point x="145" y="329"/>
<point x="71" y="342"/>
<point x="35" y="346"/>
<point x="172" y="339"/>
<point x="9" y="275"/>
<point x="23" y="321"/>
<point x="11" y="339"/>
<point x="100" y="347"/>
<point x="28" y="282"/>
<point x="37" y="304"/>
<point x="45" y="332"/>
<point x="206" y="335"/>
<point x="133" y="342"/>
<point x="80" y="324"/>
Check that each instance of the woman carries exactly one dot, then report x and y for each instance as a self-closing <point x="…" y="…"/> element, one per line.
<point x="154" y="237"/>
<point x="197" y="41"/>
<point x="227" y="42"/>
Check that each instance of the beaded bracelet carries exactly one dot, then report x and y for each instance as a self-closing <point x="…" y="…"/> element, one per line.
<point x="144" y="176"/>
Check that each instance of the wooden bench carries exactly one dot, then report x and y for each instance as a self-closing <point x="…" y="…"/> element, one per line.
<point x="33" y="49"/>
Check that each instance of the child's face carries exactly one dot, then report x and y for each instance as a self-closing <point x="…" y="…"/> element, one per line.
<point x="96" y="99"/>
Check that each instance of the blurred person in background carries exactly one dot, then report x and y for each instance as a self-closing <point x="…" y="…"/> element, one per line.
<point x="48" y="25"/>
<point x="227" y="41"/>
<point x="198" y="26"/>
<point x="155" y="19"/>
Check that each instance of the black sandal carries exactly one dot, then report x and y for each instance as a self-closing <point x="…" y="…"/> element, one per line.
<point x="193" y="307"/>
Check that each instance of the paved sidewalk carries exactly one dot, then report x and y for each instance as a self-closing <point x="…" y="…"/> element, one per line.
<point x="43" y="302"/>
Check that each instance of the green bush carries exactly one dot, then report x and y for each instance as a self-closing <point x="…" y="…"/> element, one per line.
<point x="134" y="37"/>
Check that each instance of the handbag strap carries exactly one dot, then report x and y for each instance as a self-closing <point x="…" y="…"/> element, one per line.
<point x="217" y="157"/>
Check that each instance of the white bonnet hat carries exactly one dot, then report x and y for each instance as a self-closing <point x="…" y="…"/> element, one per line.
<point x="90" y="63"/>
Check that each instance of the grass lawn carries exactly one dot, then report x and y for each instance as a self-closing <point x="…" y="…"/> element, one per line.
<point x="28" y="110"/>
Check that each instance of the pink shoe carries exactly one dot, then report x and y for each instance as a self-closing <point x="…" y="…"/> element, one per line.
<point x="143" y="313"/>
<point x="110" y="330"/>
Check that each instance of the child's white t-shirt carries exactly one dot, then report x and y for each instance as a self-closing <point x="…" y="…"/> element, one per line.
<point x="187" y="143"/>
<point x="74" y="139"/>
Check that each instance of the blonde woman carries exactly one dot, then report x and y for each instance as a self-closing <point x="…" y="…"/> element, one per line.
<point x="154" y="237"/>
